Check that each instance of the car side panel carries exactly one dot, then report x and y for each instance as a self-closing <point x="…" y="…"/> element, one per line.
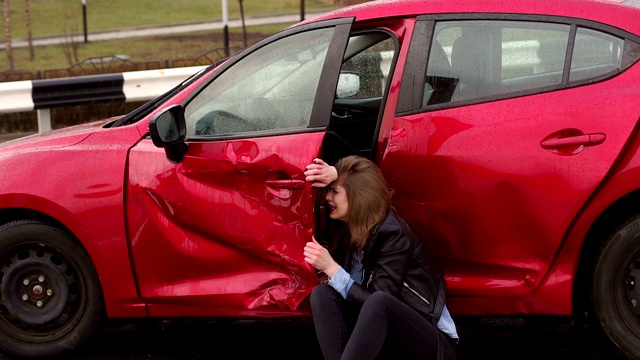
<point x="222" y="228"/>
<point x="84" y="192"/>
<point x="492" y="206"/>
<point x="623" y="181"/>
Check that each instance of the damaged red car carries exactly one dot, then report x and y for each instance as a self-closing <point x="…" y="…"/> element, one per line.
<point x="507" y="131"/>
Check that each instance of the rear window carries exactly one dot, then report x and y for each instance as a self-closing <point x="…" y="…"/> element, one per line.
<point x="476" y="59"/>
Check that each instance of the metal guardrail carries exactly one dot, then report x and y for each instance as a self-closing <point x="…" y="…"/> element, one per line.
<point x="42" y="95"/>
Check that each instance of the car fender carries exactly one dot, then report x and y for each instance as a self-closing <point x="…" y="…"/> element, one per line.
<point x="81" y="186"/>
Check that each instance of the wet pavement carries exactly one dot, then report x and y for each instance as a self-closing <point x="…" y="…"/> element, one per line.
<point x="495" y="339"/>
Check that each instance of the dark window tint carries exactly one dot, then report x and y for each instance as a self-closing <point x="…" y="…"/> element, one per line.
<point x="595" y="54"/>
<point x="475" y="59"/>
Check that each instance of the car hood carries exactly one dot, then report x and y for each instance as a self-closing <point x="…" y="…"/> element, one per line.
<point x="56" y="138"/>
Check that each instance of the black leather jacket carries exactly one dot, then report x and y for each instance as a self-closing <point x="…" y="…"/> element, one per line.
<point x="394" y="263"/>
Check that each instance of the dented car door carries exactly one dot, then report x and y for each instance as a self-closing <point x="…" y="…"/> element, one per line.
<point x="228" y="224"/>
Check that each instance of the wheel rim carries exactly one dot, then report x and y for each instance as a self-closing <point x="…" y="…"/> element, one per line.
<point x="626" y="293"/>
<point x="633" y="288"/>
<point x="41" y="290"/>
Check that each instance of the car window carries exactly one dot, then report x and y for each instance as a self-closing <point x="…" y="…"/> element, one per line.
<point x="272" y="88"/>
<point x="358" y="103"/>
<point x="470" y="60"/>
<point x="475" y="59"/>
<point x="371" y="63"/>
<point x="594" y="54"/>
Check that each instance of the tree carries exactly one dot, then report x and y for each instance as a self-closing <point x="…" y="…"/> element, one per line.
<point x="7" y="31"/>
<point x="27" y="19"/>
<point x="244" y="28"/>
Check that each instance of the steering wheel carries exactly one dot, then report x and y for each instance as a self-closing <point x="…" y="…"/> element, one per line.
<point x="222" y="122"/>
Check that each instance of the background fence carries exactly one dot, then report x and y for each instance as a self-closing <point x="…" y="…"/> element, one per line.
<point x="26" y="120"/>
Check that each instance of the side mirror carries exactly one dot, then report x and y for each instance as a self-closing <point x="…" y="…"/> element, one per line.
<point x="168" y="130"/>
<point x="348" y="85"/>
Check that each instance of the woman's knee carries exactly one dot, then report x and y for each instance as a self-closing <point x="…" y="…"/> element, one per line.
<point x="321" y="295"/>
<point x="383" y="303"/>
<point x="380" y="297"/>
<point x="378" y="301"/>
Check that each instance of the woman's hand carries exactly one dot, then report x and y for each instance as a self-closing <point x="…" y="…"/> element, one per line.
<point x="320" y="173"/>
<point x="318" y="257"/>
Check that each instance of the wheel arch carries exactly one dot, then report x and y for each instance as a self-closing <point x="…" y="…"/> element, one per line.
<point x="8" y="215"/>
<point x="31" y="207"/>
<point x="110" y="258"/>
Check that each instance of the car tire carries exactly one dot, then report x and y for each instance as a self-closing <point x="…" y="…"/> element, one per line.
<point x="616" y="291"/>
<point x="51" y="299"/>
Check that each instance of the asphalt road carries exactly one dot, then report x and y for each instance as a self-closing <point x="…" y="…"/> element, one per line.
<point x="495" y="339"/>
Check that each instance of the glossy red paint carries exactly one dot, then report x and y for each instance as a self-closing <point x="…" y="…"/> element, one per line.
<point x="510" y="211"/>
<point x="217" y="222"/>
<point x="496" y="233"/>
<point x="605" y="11"/>
<point x="83" y="191"/>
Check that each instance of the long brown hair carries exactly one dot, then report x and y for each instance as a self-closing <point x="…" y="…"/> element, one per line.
<point x="368" y="196"/>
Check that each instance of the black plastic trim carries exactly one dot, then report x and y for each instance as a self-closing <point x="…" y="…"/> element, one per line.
<point x="253" y="134"/>
<point x="77" y="90"/>
<point x="321" y="111"/>
<point x="412" y="85"/>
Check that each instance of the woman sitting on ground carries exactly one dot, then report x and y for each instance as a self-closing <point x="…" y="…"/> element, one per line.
<point x="382" y="297"/>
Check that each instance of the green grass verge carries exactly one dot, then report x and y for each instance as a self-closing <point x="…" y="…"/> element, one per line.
<point x="60" y="17"/>
<point x="143" y="49"/>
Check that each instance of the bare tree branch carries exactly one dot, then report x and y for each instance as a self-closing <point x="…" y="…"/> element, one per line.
<point x="27" y="18"/>
<point x="7" y="30"/>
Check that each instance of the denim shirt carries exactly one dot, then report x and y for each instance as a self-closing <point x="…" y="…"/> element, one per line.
<point x="342" y="282"/>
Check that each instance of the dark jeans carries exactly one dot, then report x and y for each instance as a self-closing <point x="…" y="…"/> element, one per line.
<point x="384" y="326"/>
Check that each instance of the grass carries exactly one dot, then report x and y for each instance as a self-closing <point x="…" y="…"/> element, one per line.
<point x="143" y="49"/>
<point x="60" y="17"/>
<point x="64" y="17"/>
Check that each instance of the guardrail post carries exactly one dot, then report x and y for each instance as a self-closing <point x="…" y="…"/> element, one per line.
<point x="44" y="120"/>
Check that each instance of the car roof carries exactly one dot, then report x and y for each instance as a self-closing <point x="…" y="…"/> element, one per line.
<point x="624" y="14"/>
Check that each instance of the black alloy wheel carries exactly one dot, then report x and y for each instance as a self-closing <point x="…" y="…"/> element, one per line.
<point x="50" y="296"/>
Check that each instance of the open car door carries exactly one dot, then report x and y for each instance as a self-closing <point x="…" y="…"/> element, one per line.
<point x="222" y="232"/>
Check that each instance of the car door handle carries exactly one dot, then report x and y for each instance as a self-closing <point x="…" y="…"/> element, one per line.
<point x="580" y="140"/>
<point x="342" y="117"/>
<point x="286" y="184"/>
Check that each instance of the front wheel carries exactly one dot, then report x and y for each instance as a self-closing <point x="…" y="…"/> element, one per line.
<point x="616" y="292"/>
<point x="50" y="295"/>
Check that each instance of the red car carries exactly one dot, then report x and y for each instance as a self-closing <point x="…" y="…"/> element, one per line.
<point x="507" y="130"/>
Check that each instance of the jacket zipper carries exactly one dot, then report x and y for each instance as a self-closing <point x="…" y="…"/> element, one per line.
<point x="415" y="292"/>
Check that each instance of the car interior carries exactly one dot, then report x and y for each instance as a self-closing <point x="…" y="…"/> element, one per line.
<point x="354" y="119"/>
